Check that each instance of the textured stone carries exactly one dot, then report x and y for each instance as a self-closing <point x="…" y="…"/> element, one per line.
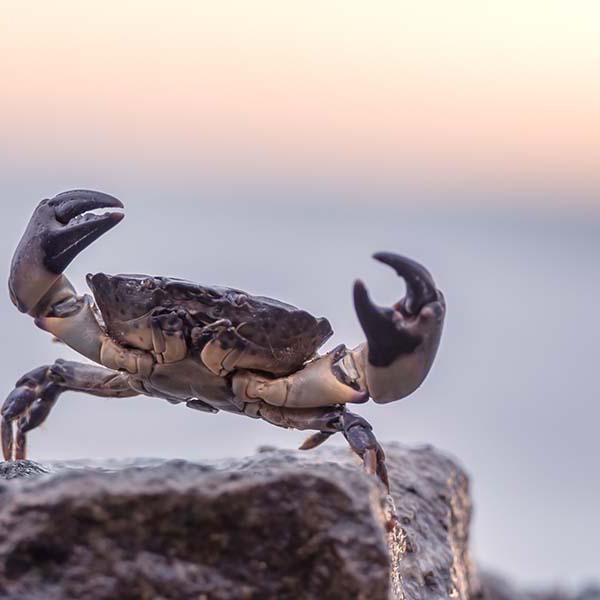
<point x="279" y="524"/>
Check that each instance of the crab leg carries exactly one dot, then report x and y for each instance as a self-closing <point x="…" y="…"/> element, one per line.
<point x="327" y="421"/>
<point x="58" y="230"/>
<point x="328" y="380"/>
<point x="36" y="393"/>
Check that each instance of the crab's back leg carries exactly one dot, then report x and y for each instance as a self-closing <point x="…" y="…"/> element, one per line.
<point x="58" y="230"/>
<point x="36" y="393"/>
<point x="327" y="421"/>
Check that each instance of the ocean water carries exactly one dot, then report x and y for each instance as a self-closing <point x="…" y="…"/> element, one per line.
<point x="513" y="393"/>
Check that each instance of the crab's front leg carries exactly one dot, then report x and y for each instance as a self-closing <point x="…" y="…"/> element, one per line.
<point x="35" y="394"/>
<point x="59" y="229"/>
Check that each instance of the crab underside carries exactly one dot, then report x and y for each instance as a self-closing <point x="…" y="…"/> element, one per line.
<point x="212" y="348"/>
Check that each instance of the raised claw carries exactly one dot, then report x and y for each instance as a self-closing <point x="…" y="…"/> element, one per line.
<point x="58" y="230"/>
<point x="402" y="341"/>
<point x="386" y="340"/>
<point x="76" y="230"/>
<point x="420" y="287"/>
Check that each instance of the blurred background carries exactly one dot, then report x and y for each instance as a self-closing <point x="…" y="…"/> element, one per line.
<point x="273" y="146"/>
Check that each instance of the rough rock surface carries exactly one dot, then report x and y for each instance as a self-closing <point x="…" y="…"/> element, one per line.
<point x="280" y="524"/>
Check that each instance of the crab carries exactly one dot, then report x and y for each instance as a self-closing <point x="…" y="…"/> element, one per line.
<point x="210" y="348"/>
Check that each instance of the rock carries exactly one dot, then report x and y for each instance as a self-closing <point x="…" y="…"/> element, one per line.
<point x="20" y="468"/>
<point x="279" y="524"/>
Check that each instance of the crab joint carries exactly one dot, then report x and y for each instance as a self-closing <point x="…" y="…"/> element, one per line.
<point x="135" y="362"/>
<point x="327" y="380"/>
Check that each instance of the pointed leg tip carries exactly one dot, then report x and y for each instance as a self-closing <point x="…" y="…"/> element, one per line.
<point x="6" y="428"/>
<point x="116" y="217"/>
<point x="390" y="258"/>
<point x="398" y="262"/>
<point x="380" y="256"/>
<point x="315" y="440"/>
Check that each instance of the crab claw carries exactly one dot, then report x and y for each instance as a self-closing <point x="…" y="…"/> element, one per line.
<point x="59" y="229"/>
<point x="402" y="341"/>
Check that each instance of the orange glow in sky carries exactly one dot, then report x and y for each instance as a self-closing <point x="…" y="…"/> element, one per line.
<point x="455" y="87"/>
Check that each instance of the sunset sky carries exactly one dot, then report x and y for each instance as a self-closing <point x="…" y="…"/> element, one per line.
<point x="432" y="92"/>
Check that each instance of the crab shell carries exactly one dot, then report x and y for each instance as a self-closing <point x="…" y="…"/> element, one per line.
<point x="273" y="336"/>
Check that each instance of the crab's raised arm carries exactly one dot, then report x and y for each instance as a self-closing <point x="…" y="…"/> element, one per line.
<point x="57" y="232"/>
<point x="402" y="341"/>
<point x="59" y="229"/>
<point x="401" y="345"/>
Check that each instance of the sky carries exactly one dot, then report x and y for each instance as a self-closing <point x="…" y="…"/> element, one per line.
<point x="436" y="93"/>
<point x="273" y="146"/>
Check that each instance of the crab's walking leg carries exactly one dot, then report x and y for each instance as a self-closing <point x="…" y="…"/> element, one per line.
<point x="36" y="393"/>
<point x="59" y="229"/>
<point x="327" y="421"/>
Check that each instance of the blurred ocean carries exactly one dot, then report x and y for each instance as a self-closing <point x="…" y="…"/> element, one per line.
<point x="513" y="393"/>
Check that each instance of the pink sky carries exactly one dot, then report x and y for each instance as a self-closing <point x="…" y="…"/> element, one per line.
<point x="441" y="89"/>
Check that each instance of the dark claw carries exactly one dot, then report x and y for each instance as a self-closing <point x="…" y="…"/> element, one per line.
<point x="63" y="244"/>
<point x="61" y="247"/>
<point x="387" y="339"/>
<point x="68" y="205"/>
<point x="58" y="230"/>
<point x="386" y="329"/>
<point x="420" y="287"/>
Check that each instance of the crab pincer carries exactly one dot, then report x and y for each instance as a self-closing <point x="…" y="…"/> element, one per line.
<point x="59" y="229"/>
<point x="402" y="341"/>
